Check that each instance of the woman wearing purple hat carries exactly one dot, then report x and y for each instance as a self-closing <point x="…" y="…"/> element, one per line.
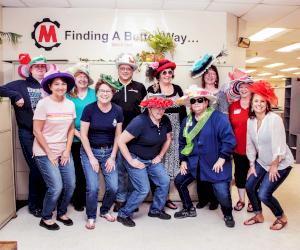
<point x="53" y="128"/>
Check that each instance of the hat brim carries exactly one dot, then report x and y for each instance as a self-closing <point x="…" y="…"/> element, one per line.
<point x="68" y="78"/>
<point x="24" y="69"/>
<point x="133" y="66"/>
<point x="203" y="68"/>
<point x="90" y="80"/>
<point x="168" y="65"/>
<point x="185" y="100"/>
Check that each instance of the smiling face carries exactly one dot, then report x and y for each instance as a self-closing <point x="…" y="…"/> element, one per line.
<point x="81" y="80"/>
<point x="38" y="71"/>
<point x="198" y="105"/>
<point x="259" y="104"/>
<point x="58" y="87"/>
<point x="166" y="76"/>
<point x="210" y="77"/>
<point x="243" y="89"/>
<point x="104" y="93"/>
<point x="125" y="73"/>
<point x="156" y="113"/>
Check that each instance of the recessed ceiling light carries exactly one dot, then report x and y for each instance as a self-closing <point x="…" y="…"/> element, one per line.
<point x="278" y="76"/>
<point x="250" y="71"/>
<point x="296" y="73"/>
<point x="265" y="34"/>
<point x="289" y="48"/>
<point x="255" y="59"/>
<point x="298" y="58"/>
<point x="273" y="65"/>
<point x="265" y="74"/>
<point x="289" y="69"/>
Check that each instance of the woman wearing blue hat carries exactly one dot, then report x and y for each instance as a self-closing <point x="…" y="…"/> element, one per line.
<point x="53" y="128"/>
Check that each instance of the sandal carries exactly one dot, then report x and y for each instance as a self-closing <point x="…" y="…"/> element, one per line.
<point x="239" y="206"/>
<point x="253" y="220"/>
<point x="250" y="208"/>
<point x="90" y="224"/>
<point x="280" y="222"/>
<point x="108" y="217"/>
<point x="170" y="204"/>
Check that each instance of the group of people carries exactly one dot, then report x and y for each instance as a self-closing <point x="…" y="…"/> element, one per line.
<point x="141" y="139"/>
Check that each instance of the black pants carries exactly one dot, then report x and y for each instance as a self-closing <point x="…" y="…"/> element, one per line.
<point x="241" y="167"/>
<point x="78" y="198"/>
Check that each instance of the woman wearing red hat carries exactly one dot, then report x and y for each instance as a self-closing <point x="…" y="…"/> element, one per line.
<point x="163" y="73"/>
<point x="270" y="158"/>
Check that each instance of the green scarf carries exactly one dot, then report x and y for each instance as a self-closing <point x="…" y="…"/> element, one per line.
<point x="189" y="136"/>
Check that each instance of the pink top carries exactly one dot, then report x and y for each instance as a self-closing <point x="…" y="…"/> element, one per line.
<point x="58" y="117"/>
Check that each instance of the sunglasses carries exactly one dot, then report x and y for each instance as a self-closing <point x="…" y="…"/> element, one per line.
<point x="169" y="72"/>
<point x="199" y="100"/>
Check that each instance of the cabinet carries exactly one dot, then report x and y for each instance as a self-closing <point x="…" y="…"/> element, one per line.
<point x="292" y="115"/>
<point x="7" y="183"/>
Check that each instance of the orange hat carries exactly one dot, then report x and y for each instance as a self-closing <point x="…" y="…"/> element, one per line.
<point x="264" y="89"/>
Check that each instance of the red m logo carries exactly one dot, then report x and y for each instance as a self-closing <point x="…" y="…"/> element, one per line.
<point x="47" y="35"/>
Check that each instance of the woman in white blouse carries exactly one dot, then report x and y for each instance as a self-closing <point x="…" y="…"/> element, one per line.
<point x="270" y="158"/>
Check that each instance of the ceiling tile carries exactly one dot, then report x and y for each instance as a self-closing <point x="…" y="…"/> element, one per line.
<point x="233" y="8"/>
<point x="290" y="21"/>
<point x="282" y="2"/>
<point x="12" y="3"/>
<point x="138" y="4"/>
<point x="236" y="1"/>
<point x="93" y="4"/>
<point x="47" y="3"/>
<point x="185" y="5"/>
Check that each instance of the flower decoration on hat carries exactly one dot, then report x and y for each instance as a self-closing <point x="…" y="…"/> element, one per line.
<point x="203" y="63"/>
<point x="264" y="89"/>
<point x="24" y="58"/>
<point x="156" y="101"/>
<point x="109" y="80"/>
<point x="154" y="68"/>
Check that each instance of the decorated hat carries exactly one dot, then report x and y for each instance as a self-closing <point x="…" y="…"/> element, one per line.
<point x="128" y="59"/>
<point x="237" y="77"/>
<point x="156" y="67"/>
<point x="156" y="101"/>
<point x="264" y="89"/>
<point x="51" y="75"/>
<point x="203" y="63"/>
<point x="110" y="81"/>
<point x="81" y="68"/>
<point x="26" y="63"/>
<point x="193" y="92"/>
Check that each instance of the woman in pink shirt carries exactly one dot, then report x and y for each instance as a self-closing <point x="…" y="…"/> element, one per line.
<point x="53" y="128"/>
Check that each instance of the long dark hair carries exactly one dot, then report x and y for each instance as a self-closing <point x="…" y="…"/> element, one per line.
<point x="214" y="68"/>
<point x="251" y="111"/>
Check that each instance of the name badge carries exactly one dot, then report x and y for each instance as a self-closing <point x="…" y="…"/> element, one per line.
<point x="237" y="111"/>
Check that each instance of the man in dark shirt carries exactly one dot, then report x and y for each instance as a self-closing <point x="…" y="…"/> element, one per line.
<point x="24" y="96"/>
<point x="129" y="98"/>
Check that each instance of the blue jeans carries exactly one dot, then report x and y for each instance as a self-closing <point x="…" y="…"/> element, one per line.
<point x="124" y="184"/>
<point x="261" y="189"/>
<point x="60" y="182"/>
<point x="221" y="191"/>
<point x="92" y="182"/>
<point x="37" y="188"/>
<point x="140" y="181"/>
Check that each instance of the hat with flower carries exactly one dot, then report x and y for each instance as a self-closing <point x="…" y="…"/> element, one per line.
<point x="203" y="63"/>
<point x="128" y="59"/>
<point x="26" y="63"/>
<point x="193" y="92"/>
<point x="264" y="89"/>
<point x="156" y="67"/>
<point x="81" y="68"/>
<point x="110" y="81"/>
<point x="156" y="101"/>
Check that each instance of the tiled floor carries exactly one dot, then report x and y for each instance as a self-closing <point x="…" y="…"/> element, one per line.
<point x="206" y="231"/>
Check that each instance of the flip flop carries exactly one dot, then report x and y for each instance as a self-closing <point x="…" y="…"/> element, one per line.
<point x="250" y="208"/>
<point x="278" y="222"/>
<point x="108" y="217"/>
<point x="253" y="220"/>
<point x="90" y="225"/>
<point x="239" y="206"/>
<point x="170" y="204"/>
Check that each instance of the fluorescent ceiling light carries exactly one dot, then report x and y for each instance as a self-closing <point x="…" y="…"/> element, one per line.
<point x="255" y="59"/>
<point x="298" y="58"/>
<point x="273" y="65"/>
<point x="250" y="71"/>
<point x="265" y="34"/>
<point x="265" y="74"/>
<point x="278" y="76"/>
<point x="289" y="69"/>
<point x="296" y="73"/>
<point x="289" y="48"/>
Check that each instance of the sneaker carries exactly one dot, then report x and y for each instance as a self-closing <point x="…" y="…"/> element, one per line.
<point x="52" y="227"/>
<point x="201" y="205"/>
<point x="161" y="215"/>
<point x="118" y="206"/>
<point x="126" y="221"/>
<point x="229" y="221"/>
<point x="186" y="213"/>
<point x="213" y="206"/>
<point x="36" y="212"/>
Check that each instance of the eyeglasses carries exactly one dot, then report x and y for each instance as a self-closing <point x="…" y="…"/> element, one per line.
<point x="103" y="91"/>
<point x="169" y="72"/>
<point x="199" y="100"/>
<point x="39" y="66"/>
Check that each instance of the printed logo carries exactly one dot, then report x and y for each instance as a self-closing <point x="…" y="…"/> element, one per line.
<point x="45" y="34"/>
<point x="114" y="123"/>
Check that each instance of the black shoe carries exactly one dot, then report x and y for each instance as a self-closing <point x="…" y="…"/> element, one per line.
<point x="67" y="222"/>
<point x="229" y="221"/>
<point x="49" y="227"/>
<point x="79" y="208"/>
<point x="36" y="212"/>
<point x="201" y="205"/>
<point x="127" y="221"/>
<point x="213" y="206"/>
<point x="186" y="213"/>
<point x="161" y="215"/>
<point x="118" y="205"/>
